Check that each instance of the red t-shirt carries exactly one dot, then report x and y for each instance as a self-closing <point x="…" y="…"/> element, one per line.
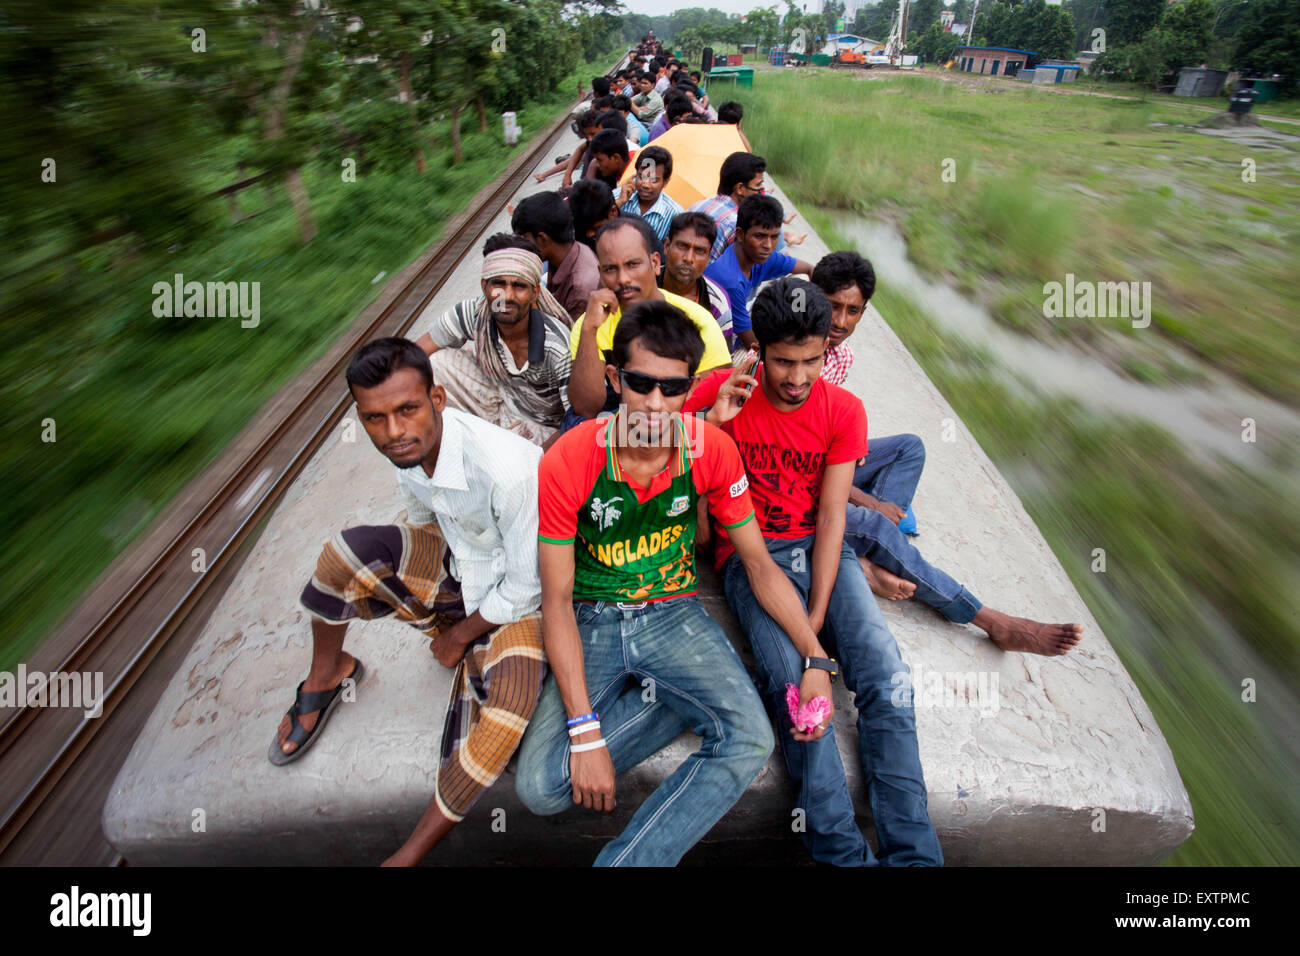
<point x="632" y="543"/>
<point x="786" y="453"/>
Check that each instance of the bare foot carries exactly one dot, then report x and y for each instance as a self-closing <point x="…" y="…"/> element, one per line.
<point x="794" y="240"/>
<point x="1031" y="637"/>
<point x="308" y="720"/>
<point x="539" y="177"/>
<point x="886" y="584"/>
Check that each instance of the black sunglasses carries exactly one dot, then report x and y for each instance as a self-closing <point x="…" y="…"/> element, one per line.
<point x="645" y="384"/>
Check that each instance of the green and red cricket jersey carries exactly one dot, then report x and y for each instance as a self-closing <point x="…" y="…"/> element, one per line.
<point x="632" y="543"/>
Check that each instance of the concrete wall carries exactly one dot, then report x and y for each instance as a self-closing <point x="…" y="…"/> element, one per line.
<point x="1022" y="777"/>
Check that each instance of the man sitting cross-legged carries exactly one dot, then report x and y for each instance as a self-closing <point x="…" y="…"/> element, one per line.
<point x="517" y="376"/>
<point x="884" y="483"/>
<point x="617" y="532"/>
<point x="799" y="438"/>
<point x="457" y="571"/>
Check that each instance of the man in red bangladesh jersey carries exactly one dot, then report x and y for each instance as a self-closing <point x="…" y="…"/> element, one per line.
<point x="617" y="509"/>
<point x="800" y="438"/>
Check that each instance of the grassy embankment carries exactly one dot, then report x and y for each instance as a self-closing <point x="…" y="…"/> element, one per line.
<point x="143" y="404"/>
<point x="1202" y="576"/>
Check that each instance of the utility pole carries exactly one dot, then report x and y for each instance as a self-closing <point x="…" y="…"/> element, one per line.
<point x="970" y="31"/>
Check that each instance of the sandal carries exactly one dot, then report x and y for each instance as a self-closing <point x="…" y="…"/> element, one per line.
<point x="309" y="702"/>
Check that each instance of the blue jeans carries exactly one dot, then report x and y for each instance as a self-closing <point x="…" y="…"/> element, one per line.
<point x="856" y="635"/>
<point x="890" y="473"/>
<point x="699" y="682"/>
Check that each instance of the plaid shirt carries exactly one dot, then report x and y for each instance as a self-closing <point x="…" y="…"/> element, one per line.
<point x="839" y="359"/>
<point x="722" y="210"/>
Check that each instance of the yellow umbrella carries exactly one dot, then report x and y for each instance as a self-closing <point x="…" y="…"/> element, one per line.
<point x="698" y="151"/>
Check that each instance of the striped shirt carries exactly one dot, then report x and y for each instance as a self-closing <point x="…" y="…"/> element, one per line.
<point x="657" y="217"/>
<point x="545" y="373"/>
<point x="722" y="210"/>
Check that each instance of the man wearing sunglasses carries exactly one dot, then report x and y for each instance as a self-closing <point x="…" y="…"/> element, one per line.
<point x="800" y="438"/>
<point x="617" y="507"/>
<point x="627" y="253"/>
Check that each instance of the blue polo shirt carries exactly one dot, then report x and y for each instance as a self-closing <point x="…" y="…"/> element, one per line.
<point x="725" y="271"/>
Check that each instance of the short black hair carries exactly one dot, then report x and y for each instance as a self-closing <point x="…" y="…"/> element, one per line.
<point x="600" y="85"/>
<point x="585" y="118"/>
<point x="602" y="103"/>
<point x="660" y="157"/>
<point x="678" y="107"/>
<point x="839" y="270"/>
<point x="613" y="119"/>
<point x="376" y="361"/>
<point x="661" y="328"/>
<point x="506" y="240"/>
<point x="544" y="213"/>
<point x="700" y="222"/>
<point x="790" y="310"/>
<point x="731" y="112"/>
<point x="621" y="103"/>
<point x="759" y="210"/>
<point x="589" y="202"/>
<point x="738" y="168"/>
<point x="695" y="75"/>
<point x="635" y="222"/>
<point x="610" y="142"/>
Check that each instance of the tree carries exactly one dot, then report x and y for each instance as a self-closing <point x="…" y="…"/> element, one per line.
<point x="1128" y="21"/>
<point x="921" y="14"/>
<point x="936" y="45"/>
<point x="1269" y="41"/>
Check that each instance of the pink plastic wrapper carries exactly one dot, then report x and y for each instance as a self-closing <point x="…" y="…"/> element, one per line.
<point x="811" y="715"/>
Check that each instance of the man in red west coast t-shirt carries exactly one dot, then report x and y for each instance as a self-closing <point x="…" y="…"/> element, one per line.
<point x="800" y="438"/>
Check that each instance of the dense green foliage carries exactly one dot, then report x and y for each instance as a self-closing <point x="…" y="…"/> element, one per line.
<point x="145" y="120"/>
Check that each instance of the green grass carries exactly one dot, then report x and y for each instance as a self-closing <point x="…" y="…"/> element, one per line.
<point x="1202" y="570"/>
<point x="1096" y="198"/>
<point x="141" y="405"/>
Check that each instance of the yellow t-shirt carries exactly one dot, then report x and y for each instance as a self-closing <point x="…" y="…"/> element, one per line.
<point x="716" y="353"/>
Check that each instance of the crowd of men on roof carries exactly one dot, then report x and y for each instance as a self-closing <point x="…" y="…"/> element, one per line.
<point x="637" y="382"/>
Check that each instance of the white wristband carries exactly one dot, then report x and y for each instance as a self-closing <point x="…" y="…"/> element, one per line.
<point x="586" y="728"/>
<point x="583" y="748"/>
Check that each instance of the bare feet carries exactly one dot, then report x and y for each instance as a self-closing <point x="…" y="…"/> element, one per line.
<point x="886" y="584"/>
<point x="793" y="239"/>
<point x="1031" y="637"/>
<point x="345" y="664"/>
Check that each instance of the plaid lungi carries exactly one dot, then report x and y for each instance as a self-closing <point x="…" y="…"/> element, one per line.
<point x="373" y="571"/>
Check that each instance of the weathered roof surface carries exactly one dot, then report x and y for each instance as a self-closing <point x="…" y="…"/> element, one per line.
<point x="1024" y="775"/>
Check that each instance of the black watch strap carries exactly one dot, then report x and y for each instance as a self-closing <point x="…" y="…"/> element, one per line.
<point x="828" y="664"/>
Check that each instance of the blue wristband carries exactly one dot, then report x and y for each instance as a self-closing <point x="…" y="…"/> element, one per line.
<point x="582" y="719"/>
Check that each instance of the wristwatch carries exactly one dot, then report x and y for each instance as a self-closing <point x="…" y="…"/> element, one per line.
<point x="828" y="664"/>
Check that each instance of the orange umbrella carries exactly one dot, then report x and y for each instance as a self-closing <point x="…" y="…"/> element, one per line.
<point x="698" y="151"/>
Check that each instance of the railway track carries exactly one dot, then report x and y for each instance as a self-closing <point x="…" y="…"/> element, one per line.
<point x="56" y="763"/>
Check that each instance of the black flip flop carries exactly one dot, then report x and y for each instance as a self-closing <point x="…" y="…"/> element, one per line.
<point x="308" y="702"/>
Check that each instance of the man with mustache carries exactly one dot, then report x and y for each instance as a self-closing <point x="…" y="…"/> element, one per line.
<point x="516" y="375"/>
<point x="626" y="251"/>
<point x="686" y="254"/>
<point x="457" y="570"/>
